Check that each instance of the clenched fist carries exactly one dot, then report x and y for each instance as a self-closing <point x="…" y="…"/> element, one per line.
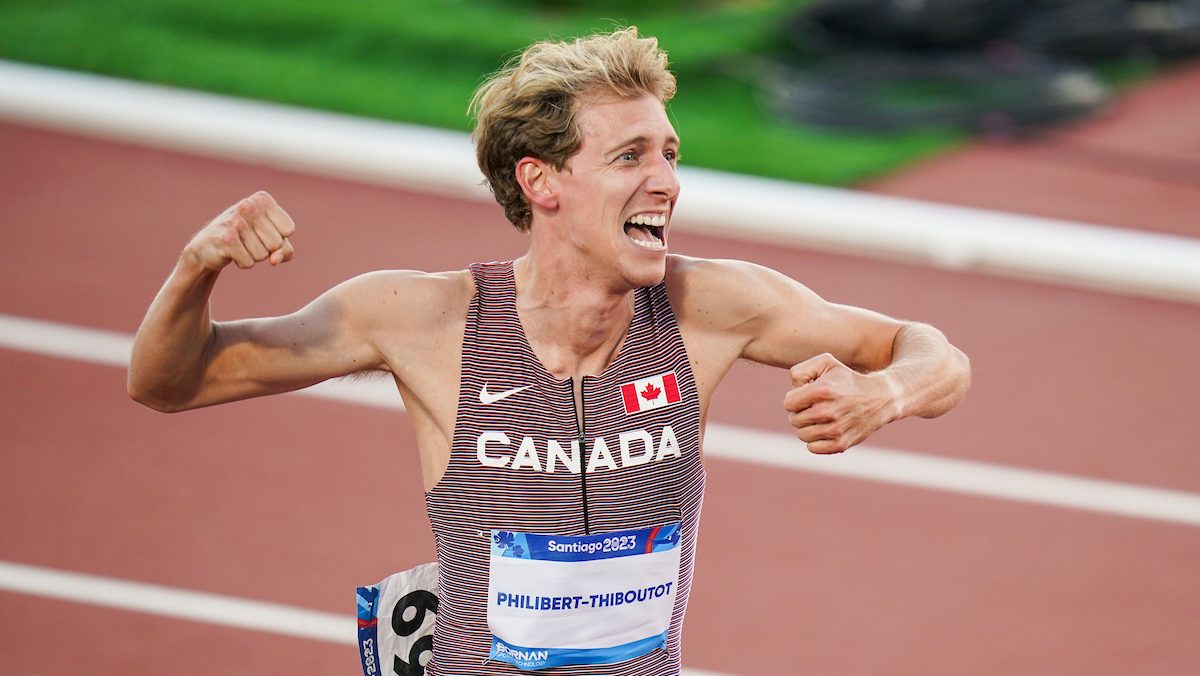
<point x="833" y="407"/>
<point x="253" y="230"/>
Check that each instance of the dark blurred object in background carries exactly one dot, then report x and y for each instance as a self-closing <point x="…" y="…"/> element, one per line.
<point x="906" y="24"/>
<point x="997" y="67"/>
<point x="1105" y="29"/>
<point x="997" y="93"/>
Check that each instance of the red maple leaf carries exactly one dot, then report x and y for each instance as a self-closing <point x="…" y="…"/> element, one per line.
<point x="651" y="392"/>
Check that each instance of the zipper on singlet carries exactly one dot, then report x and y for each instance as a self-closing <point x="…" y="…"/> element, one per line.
<point x="582" y="425"/>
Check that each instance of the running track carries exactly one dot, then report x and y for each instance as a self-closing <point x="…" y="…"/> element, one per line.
<point x="296" y="500"/>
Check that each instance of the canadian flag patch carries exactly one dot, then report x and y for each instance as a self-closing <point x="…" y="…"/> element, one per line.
<point x="653" y="392"/>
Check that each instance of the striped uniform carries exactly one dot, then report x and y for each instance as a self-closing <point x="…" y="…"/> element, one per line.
<point x="472" y="498"/>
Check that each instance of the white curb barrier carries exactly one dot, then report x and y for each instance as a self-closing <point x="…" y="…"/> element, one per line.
<point x="715" y="203"/>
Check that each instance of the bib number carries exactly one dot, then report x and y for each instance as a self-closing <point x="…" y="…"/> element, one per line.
<point x="395" y="622"/>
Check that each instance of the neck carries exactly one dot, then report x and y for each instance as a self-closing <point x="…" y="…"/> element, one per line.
<point x="574" y="322"/>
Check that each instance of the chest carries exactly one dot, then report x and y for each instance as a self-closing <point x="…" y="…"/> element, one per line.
<point x="592" y="454"/>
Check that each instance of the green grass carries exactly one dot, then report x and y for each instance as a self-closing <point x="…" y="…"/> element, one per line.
<point x="420" y="61"/>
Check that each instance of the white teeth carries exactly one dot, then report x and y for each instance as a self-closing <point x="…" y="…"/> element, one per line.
<point x="648" y="244"/>
<point x="653" y="221"/>
<point x="647" y="219"/>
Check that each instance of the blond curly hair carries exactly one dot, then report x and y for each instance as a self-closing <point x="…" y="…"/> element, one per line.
<point x="529" y="107"/>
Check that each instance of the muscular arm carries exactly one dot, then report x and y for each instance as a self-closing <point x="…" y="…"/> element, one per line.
<point x="181" y="359"/>
<point x="172" y="343"/>
<point x="853" y="370"/>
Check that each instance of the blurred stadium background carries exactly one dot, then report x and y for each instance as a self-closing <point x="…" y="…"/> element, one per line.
<point x="929" y="71"/>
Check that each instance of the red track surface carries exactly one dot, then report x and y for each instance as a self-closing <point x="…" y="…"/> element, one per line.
<point x="1138" y="166"/>
<point x="297" y="500"/>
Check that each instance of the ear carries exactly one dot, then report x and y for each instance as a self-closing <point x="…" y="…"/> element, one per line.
<point x="535" y="178"/>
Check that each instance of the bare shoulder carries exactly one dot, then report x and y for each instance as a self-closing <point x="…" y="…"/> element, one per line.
<point x="407" y="317"/>
<point x="441" y="285"/>
<point x="719" y="305"/>
<point x="770" y="318"/>
<point x="407" y="297"/>
<point x="717" y="273"/>
<point x="726" y="294"/>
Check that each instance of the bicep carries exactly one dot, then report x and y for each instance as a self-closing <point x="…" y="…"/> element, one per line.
<point x="327" y="338"/>
<point x="792" y="323"/>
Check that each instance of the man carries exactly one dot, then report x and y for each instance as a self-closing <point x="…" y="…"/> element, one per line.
<point x="559" y="399"/>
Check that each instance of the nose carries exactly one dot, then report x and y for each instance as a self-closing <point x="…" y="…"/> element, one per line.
<point x="661" y="178"/>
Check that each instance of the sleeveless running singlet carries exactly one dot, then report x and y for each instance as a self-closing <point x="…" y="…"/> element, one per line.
<point x="515" y="466"/>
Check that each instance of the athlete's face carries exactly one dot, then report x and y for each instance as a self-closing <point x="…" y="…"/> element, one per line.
<point x="617" y="193"/>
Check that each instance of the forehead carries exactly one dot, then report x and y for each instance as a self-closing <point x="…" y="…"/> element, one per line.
<point x="605" y="120"/>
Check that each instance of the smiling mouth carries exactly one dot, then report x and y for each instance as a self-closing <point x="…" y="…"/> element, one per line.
<point x="646" y="231"/>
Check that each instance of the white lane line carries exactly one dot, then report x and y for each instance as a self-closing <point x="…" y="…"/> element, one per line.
<point x="729" y="443"/>
<point x="186" y="604"/>
<point x="959" y="476"/>
<point x="716" y="203"/>
<point x="65" y="340"/>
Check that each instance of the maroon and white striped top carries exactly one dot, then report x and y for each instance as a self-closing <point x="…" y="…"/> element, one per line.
<point x="472" y="498"/>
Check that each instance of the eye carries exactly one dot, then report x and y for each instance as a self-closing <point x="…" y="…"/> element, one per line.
<point x="628" y="156"/>
<point x="672" y="156"/>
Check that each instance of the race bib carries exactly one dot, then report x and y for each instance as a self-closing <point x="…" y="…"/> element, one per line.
<point x="556" y="600"/>
<point x="395" y="622"/>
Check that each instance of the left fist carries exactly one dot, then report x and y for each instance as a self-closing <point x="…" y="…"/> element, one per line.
<point x="834" y="407"/>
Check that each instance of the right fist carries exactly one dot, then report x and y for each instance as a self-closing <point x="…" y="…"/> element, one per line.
<point x="253" y="230"/>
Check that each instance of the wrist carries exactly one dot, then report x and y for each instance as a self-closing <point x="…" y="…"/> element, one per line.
<point x="192" y="265"/>
<point x="894" y="404"/>
<point x="191" y="275"/>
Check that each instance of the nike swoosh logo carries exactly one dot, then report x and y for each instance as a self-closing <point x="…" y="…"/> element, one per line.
<point x="486" y="397"/>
